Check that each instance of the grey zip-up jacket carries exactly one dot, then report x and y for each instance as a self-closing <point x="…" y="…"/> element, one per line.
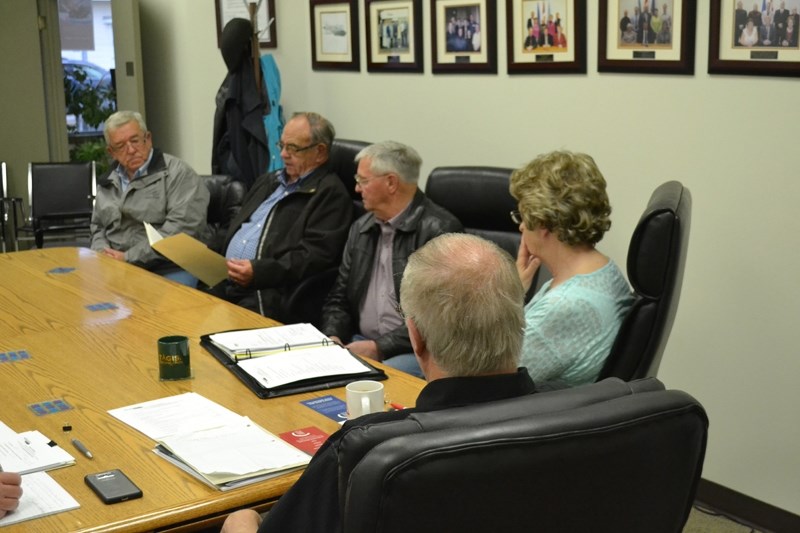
<point x="171" y="197"/>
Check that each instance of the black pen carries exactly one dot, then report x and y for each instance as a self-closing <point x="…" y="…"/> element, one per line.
<point x="81" y="448"/>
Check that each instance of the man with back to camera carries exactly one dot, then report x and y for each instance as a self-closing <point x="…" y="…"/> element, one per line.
<point x="146" y="185"/>
<point x="465" y="323"/>
<point x="293" y="223"/>
<point x="361" y="308"/>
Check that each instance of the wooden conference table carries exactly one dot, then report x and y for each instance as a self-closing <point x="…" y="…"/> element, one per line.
<point x="101" y="360"/>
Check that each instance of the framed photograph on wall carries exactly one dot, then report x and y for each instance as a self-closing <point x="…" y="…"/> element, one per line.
<point x="754" y="42"/>
<point x="334" y="35"/>
<point x="464" y="36"/>
<point x="265" y="19"/>
<point x="650" y="36"/>
<point x="546" y="37"/>
<point x="394" y="35"/>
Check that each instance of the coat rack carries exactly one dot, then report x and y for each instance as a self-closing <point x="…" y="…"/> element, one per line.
<point x="252" y="8"/>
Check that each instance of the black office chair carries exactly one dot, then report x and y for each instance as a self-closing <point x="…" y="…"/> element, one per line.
<point x="6" y="206"/>
<point x="656" y="261"/>
<point x="610" y="456"/>
<point x="226" y="199"/>
<point x="305" y="302"/>
<point x="61" y="197"/>
<point x="480" y="199"/>
<point x="342" y="161"/>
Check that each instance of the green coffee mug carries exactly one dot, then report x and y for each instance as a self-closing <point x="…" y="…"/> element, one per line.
<point x="173" y="358"/>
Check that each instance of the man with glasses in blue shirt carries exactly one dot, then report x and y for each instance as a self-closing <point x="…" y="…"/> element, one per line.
<point x="293" y="223"/>
<point x="146" y="185"/>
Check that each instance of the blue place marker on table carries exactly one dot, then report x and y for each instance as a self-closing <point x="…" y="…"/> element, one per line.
<point x="61" y="270"/>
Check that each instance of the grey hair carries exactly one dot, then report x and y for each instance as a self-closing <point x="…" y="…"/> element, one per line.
<point x="322" y="131"/>
<point x="392" y="157"/>
<point x="466" y="299"/>
<point x="119" y="119"/>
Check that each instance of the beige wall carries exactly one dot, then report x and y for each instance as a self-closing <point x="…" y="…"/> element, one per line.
<point x="731" y="140"/>
<point x="733" y="345"/>
<point x="23" y="126"/>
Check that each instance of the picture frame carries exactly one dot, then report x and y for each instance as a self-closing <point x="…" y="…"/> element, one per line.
<point x="667" y="48"/>
<point x="267" y="26"/>
<point x="559" y="49"/>
<point x="394" y="35"/>
<point x="334" y="35"/>
<point x="729" y="53"/>
<point x="464" y="36"/>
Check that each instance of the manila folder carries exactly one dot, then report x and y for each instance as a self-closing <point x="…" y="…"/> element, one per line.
<point x="190" y="254"/>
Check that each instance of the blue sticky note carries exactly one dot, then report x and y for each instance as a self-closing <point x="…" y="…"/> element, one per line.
<point x="60" y="270"/>
<point x="49" y="407"/>
<point x="101" y="306"/>
<point x="330" y="406"/>
<point x="10" y="357"/>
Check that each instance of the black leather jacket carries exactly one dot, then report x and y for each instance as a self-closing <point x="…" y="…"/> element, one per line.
<point x="425" y="221"/>
<point x="304" y="235"/>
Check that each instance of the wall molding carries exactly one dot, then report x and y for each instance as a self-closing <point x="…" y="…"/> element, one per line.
<point x="746" y="509"/>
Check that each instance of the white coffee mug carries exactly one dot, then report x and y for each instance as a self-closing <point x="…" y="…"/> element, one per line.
<point x="364" y="397"/>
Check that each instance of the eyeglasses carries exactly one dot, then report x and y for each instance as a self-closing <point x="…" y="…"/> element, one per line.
<point x="133" y="142"/>
<point x="293" y="149"/>
<point x="361" y="180"/>
<point x="516" y="217"/>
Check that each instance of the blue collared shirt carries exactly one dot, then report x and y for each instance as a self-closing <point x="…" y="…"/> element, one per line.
<point x="244" y="244"/>
<point x="124" y="182"/>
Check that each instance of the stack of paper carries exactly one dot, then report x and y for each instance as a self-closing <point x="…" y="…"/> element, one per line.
<point x="28" y="453"/>
<point x="210" y="442"/>
<point x="248" y="343"/>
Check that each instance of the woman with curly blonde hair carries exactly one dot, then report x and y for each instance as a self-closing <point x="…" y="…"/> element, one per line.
<point x="571" y="322"/>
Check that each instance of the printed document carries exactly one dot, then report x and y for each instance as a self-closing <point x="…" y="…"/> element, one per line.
<point x="210" y="442"/>
<point x="262" y="341"/>
<point x="298" y="365"/>
<point x="31" y="452"/>
<point x="42" y="496"/>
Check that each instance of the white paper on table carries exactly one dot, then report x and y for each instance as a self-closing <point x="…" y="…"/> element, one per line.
<point x="274" y="338"/>
<point x="296" y="365"/>
<point x="31" y="451"/>
<point x="6" y="432"/>
<point x="243" y="448"/>
<point x="42" y="496"/>
<point x="182" y="413"/>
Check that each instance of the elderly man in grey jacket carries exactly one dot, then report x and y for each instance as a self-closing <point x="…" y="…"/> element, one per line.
<point x="146" y="185"/>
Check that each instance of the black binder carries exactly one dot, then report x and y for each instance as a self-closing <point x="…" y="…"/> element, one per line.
<point x="296" y="387"/>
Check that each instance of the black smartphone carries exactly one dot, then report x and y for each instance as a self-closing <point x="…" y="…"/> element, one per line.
<point x="113" y="486"/>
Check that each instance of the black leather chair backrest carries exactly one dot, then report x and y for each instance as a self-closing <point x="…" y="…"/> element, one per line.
<point x="359" y="440"/>
<point x="625" y="463"/>
<point x="61" y="190"/>
<point x="479" y="198"/>
<point x="342" y="161"/>
<point x="656" y="261"/>
<point x="226" y="199"/>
